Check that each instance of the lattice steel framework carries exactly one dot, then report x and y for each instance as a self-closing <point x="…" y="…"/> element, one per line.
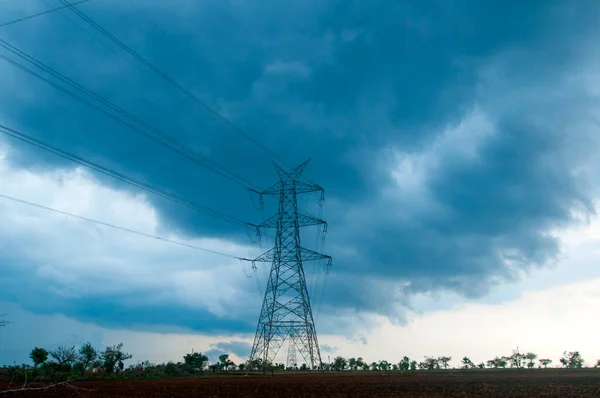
<point x="291" y="362"/>
<point x="286" y="311"/>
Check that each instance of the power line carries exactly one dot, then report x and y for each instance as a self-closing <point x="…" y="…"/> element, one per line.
<point x="164" y="139"/>
<point x="122" y="228"/>
<point x="171" y="81"/>
<point x="119" y="176"/>
<point x="84" y="30"/>
<point x="40" y="13"/>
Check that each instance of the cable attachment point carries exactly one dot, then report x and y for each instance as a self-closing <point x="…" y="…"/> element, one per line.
<point x="258" y="234"/>
<point x="327" y="266"/>
<point x="246" y="273"/>
<point x="321" y="197"/>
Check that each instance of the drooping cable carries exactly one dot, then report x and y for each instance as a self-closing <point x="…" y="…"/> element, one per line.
<point x="14" y="21"/>
<point x="121" y="228"/>
<point x="171" y="81"/>
<point x="120" y="176"/>
<point x="148" y="130"/>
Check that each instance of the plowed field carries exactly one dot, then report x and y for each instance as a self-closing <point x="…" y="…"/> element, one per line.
<point x="526" y="383"/>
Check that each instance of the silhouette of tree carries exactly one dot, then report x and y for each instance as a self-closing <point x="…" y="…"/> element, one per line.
<point x="413" y="365"/>
<point x="531" y="357"/>
<point x="195" y="360"/>
<point x="360" y="363"/>
<point x="516" y="359"/>
<point x="339" y="364"/>
<point x="86" y="357"/>
<point x="467" y="363"/>
<point x="352" y="364"/>
<point x="384" y="365"/>
<point x="572" y="360"/>
<point x="431" y="363"/>
<point x="113" y="359"/>
<point x="404" y="364"/>
<point x="444" y="362"/>
<point x="38" y="356"/>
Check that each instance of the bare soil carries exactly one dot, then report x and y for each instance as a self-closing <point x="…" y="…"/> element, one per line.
<point x="488" y="383"/>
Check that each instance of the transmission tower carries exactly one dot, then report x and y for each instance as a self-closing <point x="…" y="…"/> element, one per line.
<point x="286" y="312"/>
<point x="291" y="356"/>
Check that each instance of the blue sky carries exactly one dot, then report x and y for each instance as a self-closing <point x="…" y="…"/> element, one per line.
<point x="456" y="141"/>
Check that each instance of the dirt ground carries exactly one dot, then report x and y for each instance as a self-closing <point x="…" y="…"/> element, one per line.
<point x="525" y="383"/>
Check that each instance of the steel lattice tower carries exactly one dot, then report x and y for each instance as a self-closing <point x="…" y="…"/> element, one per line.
<point x="291" y="356"/>
<point x="286" y="311"/>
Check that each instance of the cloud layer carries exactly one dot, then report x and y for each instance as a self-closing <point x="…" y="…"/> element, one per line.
<point x="453" y="142"/>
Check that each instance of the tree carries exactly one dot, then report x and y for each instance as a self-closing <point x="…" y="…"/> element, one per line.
<point x="384" y="365"/>
<point x="431" y="363"/>
<point x="38" y="356"/>
<point x="360" y="363"/>
<point x="339" y="364"/>
<point x="352" y="363"/>
<point x="404" y="364"/>
<point x="170" y="368"/>
<point x="87" y="356"/>
<point x="374" y="366"/>
<point x="545" y="362"/>
<point x="231" y="365"/>
<point x="467" y="363"/>
<point x="597" y="364"/>
<point x="64" y="357"/>
<point x="254" y="364"/>
<point x="516" y="359"/>
<point x="481" y="365"/>
<point x="113" y="359"/>
<point x="572" y="360"/>
<point x="224" y="362"/>
<point x="413" y="365"/>
<point x="444" y="361"/>
<point x="195" y="361"/>
<point x="531" y="357"/>
<point x="498" y="362"/>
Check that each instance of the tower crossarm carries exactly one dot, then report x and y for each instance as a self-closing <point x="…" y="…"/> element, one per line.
<point x="274" y="189"/>
<point x="302" y="187"/>
<point x="304" y="220"/>
<point x="299" y="187"/>
<point x="307" y="255"/>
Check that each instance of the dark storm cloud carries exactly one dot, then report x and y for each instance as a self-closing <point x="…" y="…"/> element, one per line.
<point x="118" y="310"/>
<point x="344" y="83"/>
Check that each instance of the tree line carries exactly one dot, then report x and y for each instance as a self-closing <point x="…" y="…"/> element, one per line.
<point x="70" y="363"/>
<point x="517" y="360"/>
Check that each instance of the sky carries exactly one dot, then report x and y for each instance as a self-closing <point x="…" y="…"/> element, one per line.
<point x="457" y="143"/>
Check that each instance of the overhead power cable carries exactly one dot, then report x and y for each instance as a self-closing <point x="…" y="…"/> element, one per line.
<point x="119" y="176"/>
<point x="171" y="81"/>
<point x="148" y="130"/>
<point x="40" y="13"/>
<point x="122" y="228"/>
